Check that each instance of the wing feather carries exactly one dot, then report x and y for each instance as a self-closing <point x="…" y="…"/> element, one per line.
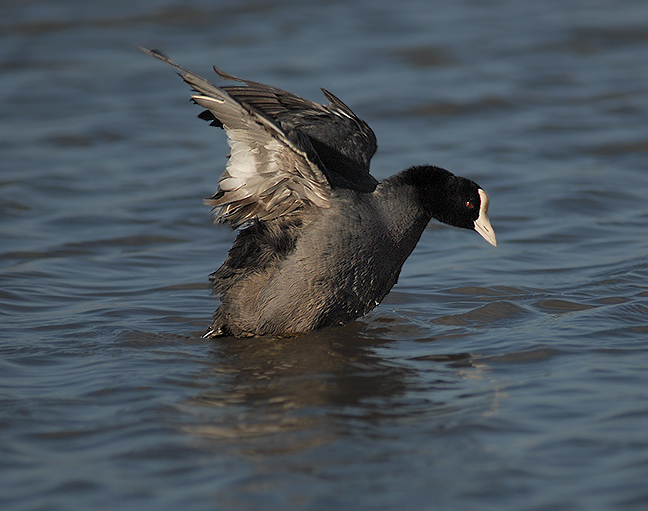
<point x="270" y="172"/>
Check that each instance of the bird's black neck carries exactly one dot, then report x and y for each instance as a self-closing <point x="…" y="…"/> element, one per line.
<point x="429" y="185"/>
<point x="409" y="200"/>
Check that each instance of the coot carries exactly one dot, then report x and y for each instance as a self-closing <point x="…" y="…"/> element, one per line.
<point x="320" y="241"/>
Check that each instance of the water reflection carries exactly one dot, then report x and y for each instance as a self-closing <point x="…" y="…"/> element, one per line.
<point x="277" y="395"/>
<point x="260" y="387"/>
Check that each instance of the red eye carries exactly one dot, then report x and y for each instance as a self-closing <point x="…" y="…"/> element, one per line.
<point x="470" y="205"/>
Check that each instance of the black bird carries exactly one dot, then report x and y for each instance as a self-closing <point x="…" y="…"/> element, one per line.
<point x="321" y="241"/>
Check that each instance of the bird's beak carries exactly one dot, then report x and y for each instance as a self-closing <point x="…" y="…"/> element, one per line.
<point x="482" y="224"/>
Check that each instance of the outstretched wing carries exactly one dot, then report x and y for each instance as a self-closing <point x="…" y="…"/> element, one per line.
<point x="343" y="142"/>
<point x="271" y="172"/>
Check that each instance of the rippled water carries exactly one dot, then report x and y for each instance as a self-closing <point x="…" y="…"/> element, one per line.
<point x="509" y="378"/>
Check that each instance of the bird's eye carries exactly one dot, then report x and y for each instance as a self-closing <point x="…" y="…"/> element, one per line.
<point x="470" y="205"/>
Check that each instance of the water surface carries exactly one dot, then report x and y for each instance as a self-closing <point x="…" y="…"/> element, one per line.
<point x="489" y="378"/>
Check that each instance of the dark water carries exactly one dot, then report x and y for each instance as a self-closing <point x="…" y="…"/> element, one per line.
<point x="509" y="378"/>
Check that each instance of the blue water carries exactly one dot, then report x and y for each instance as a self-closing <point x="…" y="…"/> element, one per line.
<point x="490" y="378"/>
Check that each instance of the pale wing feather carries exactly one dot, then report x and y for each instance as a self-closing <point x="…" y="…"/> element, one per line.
<point x="267" y="175"/>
